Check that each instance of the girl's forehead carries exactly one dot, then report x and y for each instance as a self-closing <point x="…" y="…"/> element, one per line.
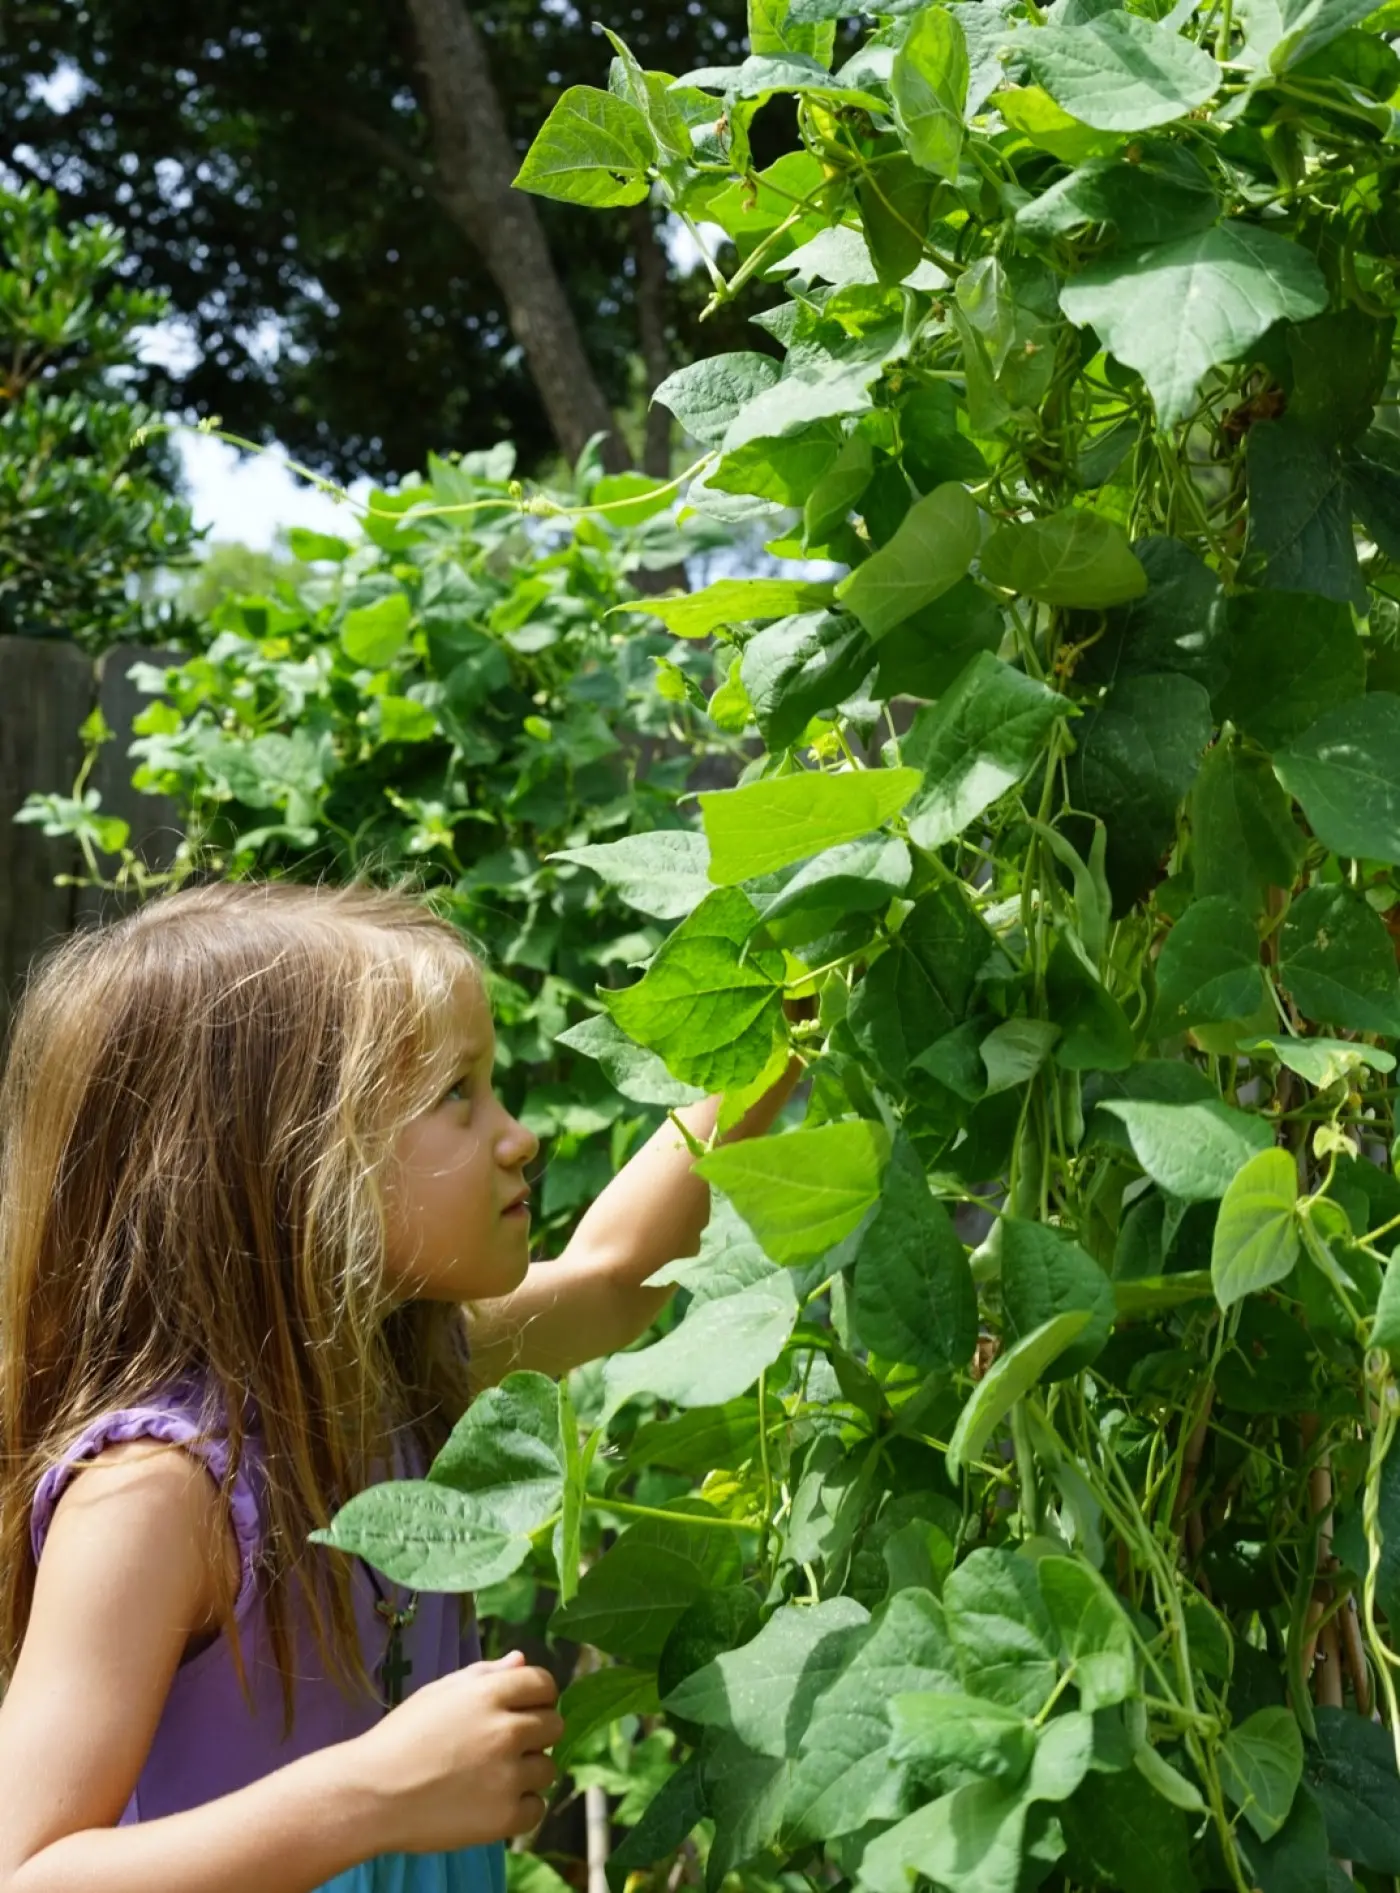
<point x="464" y="1022"/>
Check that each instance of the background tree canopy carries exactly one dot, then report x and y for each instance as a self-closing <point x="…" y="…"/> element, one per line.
<point x="338" y="177"/>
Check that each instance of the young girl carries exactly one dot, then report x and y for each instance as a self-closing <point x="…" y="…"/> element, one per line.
<point x="251" y="1168"/>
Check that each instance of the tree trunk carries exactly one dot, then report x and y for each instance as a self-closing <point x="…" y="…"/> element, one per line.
<point x="476" y="162"/>
<point x="651" y="335"/>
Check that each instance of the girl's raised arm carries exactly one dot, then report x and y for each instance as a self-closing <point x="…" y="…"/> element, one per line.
<point x="594" y="1299"/>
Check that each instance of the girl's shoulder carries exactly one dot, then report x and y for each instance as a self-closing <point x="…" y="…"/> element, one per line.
<point x="132" y="1444"/>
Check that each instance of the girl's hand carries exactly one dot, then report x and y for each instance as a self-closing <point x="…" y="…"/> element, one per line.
<point x="462" y="1761"/>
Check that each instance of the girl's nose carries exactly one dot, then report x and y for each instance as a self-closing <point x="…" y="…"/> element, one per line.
<point x="519" y="1145"/>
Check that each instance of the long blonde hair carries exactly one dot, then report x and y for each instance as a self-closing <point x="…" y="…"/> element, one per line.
<point x="196" y="1116"/>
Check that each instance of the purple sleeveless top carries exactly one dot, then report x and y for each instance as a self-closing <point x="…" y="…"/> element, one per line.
<point x="210" y="1741"/>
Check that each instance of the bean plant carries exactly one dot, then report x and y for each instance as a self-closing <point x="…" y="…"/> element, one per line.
<point x="1012" y="1503"/>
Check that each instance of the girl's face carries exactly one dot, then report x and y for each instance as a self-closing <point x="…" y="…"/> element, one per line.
<point x="457" y="1229"/>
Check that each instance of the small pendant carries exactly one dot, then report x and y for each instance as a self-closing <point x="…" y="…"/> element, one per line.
<point x="395" y="1668"/>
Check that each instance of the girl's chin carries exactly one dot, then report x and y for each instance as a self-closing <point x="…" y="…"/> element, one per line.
<point x="471" y="1284"/>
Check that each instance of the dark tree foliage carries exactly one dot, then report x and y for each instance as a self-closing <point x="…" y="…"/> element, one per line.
<point x="273" y="170"/>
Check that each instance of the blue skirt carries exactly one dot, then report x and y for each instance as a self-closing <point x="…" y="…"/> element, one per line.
<point x="470" y="1870"/>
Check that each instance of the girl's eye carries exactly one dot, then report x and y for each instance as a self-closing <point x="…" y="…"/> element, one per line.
<point x="458" y="1092"/>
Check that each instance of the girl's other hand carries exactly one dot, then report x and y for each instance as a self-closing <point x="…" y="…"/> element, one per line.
<point x="462" y="1762"/>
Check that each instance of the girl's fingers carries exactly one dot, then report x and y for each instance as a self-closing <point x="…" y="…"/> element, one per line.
<point x="539" y="1771"/>
<point x="528" y="1688"/>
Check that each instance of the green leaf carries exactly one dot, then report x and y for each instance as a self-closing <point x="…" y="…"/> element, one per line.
<point x="426" y="1536"/>
<point x="1385" y="1329"/>
<point x="637" y="1074"/>
<point x="1244" y="839"/>
<point x="1340" y="360"/>
<point x="941" y="1731"/>
<point x="309" y="546"/>
<point x="929" y="553"/>
<point x="802" y="1192"/>
<point x="506" y="1453"/>
<point x="1300" y="532"/>
<point x="1014" y="1051"/>
<point x="1012" y="1374"/>
<point x="647" y="498"/>
<point x="716" y="1622"/>
<point x="1122" y="1834"/>
<point x="974" y="744"/>
<point x="1177" y="309"/>
<point x="1136" y="758"/>
<point x="708" y="1004"/>
<point x="1177" y="624"/>
<point x="1075" y="557"/>
<point x="1261" y="1764"/>
<point x="1292" y="657"/>
<point x="781" y="470"/>
<point x="1284" y="32"/>
<point x="1006" y="1644"/>
<point x="1190" y="1150"/>
<point x="764" y="1691"/>
<point x="857" y="877"/>
<point x="1256" y="1233"/>
<point x="1338" y="962"/>
<point x="969" y="1841"/>
<point x="914" y="1297"/>
<point x="974" y="1840"/>
<point x="1044" y="1273"/>
<point x="599" y="1699"/>
<point x="592" y="149"/>
<point x="801" y="666"/>
<point x="1296" y="1859"/>
<point x="838" y="489"/>
<point x="923" y="985"/>
<point x="1352" y="1773"/>
<point x="706" y="395"/>
<point x="1323" y="1062"/>
<point x="923" y="656"/>
<point x="373" y="635"/>
<point x="732" y="601"/>
<point x="894" y="212"/>
<point x="782" y="819"/>
<point x="665" y="873"/>
<point x="1208" y="968"/>
<point x="1030" y="110"/>
<point x="671" y="1816"/>
<point x="1096" y="1635"/>
<point x="1094" y="1031"/>
<point x="714" y="1355"/>
<point x="928" y="84"/>
<point x="1147" y="1294"/>
<point x="776" y="27"/>
<point x="1345" y="771"/>
<point x="1120" y="72"/>
<point x="744" y="1795"/>
<point x="845" y="1775"/>
<point x="1162" y="193"/>
<point x="628" y="1602"/>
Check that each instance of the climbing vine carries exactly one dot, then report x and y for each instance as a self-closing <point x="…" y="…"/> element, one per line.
<point x="1011" y="1503"/>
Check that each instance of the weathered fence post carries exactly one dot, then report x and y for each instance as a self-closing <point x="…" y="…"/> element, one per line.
<point x="47" y="688"/>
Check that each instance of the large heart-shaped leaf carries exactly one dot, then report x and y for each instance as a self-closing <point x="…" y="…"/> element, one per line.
<point x="1119" y="72"/>
<point x="769" y="824"/>
<point x="593" y="149"/>
<point x="1345" y="770"/>
<point x="1177" y="309"/>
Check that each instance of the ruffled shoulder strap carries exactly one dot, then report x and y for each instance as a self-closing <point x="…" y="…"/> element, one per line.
<point x="172" y="1421"/>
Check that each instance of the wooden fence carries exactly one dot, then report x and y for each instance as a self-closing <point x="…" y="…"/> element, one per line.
<point x="46" y="690"/>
